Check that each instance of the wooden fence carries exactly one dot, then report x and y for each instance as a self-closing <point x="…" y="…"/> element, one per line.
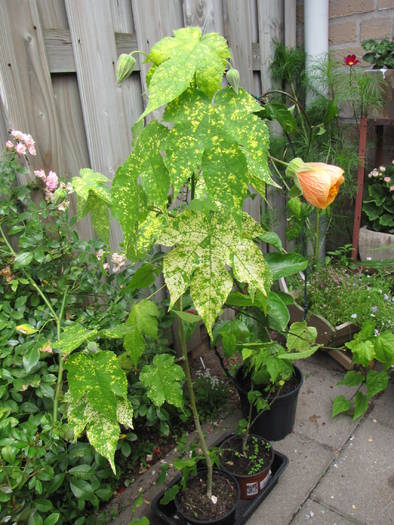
<point x="57" y="77"/>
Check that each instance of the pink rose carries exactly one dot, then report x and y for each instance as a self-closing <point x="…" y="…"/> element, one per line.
<point x="382" y="169"/>
<point x="40" y="174"/>
<point x="20" y="149"/>
<point x="32" y="150"/>
<point x="52" y="181"/>
<point x="387" y="179"/>
<point x="391" y="188"/>
<point x="28" y="140"/>
<point x="9" y="145"/>
<point x="17" y="134"/>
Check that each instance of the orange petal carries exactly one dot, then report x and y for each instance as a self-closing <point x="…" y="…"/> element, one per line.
<point x="320" y="183"/>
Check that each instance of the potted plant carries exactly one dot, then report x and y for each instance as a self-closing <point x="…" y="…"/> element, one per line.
<point x="376" y="239"/>
<point x="380" y="54"/>
<point x="267" y="382"/>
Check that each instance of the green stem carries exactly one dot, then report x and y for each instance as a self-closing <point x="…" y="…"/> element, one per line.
<point x="193" y="405"/>
<point x="274" y="159"/>
<point x="317" y="237"/>
<point x="59" y="381"/>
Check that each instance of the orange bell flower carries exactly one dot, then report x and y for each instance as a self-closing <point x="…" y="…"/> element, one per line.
<point x="320" y="182"/>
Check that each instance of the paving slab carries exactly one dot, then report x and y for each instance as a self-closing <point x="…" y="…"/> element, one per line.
<point x="313" y="417"/>
<point x="307" y="461"/>
<point x="360" y="484"/>
<point x="313" y="513"/>
<point x="383" y="411"/>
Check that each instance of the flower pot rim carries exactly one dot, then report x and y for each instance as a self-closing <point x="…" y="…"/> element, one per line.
<point x="301" y="382"/>
<point x="365" y="228"/>
<point x="203" y="470"/>
<point x="247" y="476"/>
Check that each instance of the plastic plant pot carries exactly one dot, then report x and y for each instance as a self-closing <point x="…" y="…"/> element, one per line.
<point x="250" y="485"/>
<point x="226" y="519"/>
<point x="277" y="422"/>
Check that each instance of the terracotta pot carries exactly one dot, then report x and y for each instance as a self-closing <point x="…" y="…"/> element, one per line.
<point x="375" y="246"/>
<point x="252" y="485"/>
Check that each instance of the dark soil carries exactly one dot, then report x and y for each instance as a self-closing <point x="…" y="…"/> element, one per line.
<point x="288" y="387"/>
<point x="194" y="503"/>
<point x="258" y="450"/>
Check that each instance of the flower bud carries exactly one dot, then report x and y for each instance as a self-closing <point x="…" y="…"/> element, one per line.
<point x="124" y="67"/>
<point x="232" y="77"/>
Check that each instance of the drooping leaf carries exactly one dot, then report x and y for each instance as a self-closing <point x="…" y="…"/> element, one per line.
<point x="384" y="347"/>
<point x="278" y="313"/>
<point x="207" y="243"/>
<point x="93" y="197"/>
<point x="134" y="344"/>
<point x="140" y="182"/>
<point x="187" y="317"/>
<point x="360" y="405"/>
<point x="97" y="399"/>
<point x="163" y="381"/>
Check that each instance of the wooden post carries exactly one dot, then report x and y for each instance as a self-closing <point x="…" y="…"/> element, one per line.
<point x="360" y="185"/>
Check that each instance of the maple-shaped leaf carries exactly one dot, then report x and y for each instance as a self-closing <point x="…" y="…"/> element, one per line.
<point x="180" y="59"/>
<point x="97" y="400"/>
<point x="94" y="198"/>
<point x="140" y="184"/>
<point x="224" y="140"/>
<point x="206" y="245"/>
<point x="163" y="381"/>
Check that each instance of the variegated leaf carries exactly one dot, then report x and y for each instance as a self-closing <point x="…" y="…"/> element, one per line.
<point x="182" y="58"/>
<point x="163" y="381"/>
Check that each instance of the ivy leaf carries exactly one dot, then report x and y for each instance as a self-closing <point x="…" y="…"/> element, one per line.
<point x="360" y="405"/>
<point x="93" y="197"/>
<point x="376" y="382"/>
<point x="163" y="381"/>
<point x="182" y="57"/>
<point x="72" y="338"/>
<point x="207" y="244"/>
<point x="340" y="405"/>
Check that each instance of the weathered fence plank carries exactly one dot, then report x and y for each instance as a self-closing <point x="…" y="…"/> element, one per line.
<point x="95" y="57"/>
<point x="270" y="18"/>
<point x="207" y="14"/>
<point x="28" y="99"/>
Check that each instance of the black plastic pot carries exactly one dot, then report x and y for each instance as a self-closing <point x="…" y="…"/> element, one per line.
<point x="250" y="485"/>
<point x="227" y="519"/>
<point x="277" y="422"/>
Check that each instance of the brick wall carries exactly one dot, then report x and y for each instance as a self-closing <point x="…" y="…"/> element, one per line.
<point x="352" y="21"/>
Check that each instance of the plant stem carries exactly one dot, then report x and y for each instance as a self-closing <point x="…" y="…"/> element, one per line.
<point x="193" y="406"/>
<point x="317" y="238"/>
<point x="59" y="381"/>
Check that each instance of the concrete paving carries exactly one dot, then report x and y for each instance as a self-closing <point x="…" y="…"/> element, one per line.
<point x="339" y="473"/>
